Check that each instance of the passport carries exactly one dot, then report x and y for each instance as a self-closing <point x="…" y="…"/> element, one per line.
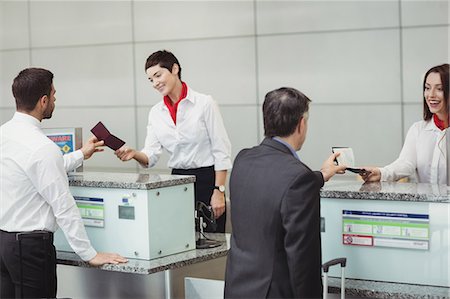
<point x="102" y="133"/>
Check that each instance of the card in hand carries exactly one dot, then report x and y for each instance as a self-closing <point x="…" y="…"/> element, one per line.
<point x="360" y="171"/>
<point x="102" y="133"/>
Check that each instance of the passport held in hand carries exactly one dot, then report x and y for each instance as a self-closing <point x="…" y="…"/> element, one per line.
<point x="102" y="133"/>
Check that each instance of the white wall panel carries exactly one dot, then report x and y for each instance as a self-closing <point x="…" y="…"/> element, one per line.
<point x="90" y="76"/>
<point x="423" y="48"/>
<point x="119" y="121"/>
<point x="12" y="62"/>
<point x="416" y="12"/>
<point x="241" y="125"/>
<point x="304" y="16"/>
<point x="411" y="114"/>
<point x="14" y="25"/>
<point x="63" y="23"/>
<point x="374" y="141"/>
<point x="6" y="114"/>
<point x="223" y="68"/>
<point x="168" y="20"/>
<point x="344" y="67"/>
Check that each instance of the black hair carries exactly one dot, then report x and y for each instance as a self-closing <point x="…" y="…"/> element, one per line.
<point x="164" y="59"/>
<point x="282" y="110"/>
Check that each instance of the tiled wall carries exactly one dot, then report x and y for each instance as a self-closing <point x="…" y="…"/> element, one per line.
<point x="361" y="62"/>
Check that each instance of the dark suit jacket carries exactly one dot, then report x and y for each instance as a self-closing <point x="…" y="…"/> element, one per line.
<point x="275" y="214"/>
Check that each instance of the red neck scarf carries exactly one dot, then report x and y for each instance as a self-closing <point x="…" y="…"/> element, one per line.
<point x="174" y="107"/>
<point x="439" y="123"/>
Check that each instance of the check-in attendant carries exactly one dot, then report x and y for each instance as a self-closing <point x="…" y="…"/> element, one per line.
<point x="189" y="126"/>
<point x="423" y="153"/>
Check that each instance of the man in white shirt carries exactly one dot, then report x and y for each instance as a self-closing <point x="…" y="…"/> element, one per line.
<point x="35" y="197"/>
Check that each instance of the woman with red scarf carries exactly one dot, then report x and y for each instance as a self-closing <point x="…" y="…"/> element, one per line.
<point x="423" y="153"/>
<point x="189" y="126"/>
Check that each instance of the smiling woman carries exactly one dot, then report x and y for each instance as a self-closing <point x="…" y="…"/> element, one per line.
<point x="423" y="153"/>
<point x="189" y="126"/>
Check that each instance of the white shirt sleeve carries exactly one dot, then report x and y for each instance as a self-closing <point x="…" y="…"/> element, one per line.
<point x="48" y="175"/>
<point x="406" y="163"/>
<point x="220" y="143"/>
<point x="152" y="146"/>
<point x="73" y="160"/>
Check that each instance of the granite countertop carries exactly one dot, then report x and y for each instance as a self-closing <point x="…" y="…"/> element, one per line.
<point x="386" y="191"/>
<point x="385" y="290"/>
<point x="156" y="265"/>
<point x="143" y="181"/>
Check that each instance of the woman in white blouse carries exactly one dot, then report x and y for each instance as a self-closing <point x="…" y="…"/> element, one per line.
<point x="189" y="126"/>
<point x="424" y="152"/>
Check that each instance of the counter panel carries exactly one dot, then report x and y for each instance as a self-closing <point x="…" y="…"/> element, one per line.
<point x="427" y="267"/>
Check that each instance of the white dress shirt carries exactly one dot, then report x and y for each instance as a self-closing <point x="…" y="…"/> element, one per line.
<point x="34" y="186"/>
<point x="73" y="160"/>
<point x="423" y="155"/>
<point x="197" y="140"/>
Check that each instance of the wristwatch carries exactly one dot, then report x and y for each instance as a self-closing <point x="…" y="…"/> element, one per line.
<point x="221" y="188"/>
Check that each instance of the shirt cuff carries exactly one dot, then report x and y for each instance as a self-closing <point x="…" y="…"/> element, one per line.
<point x="383" y="175"/>
<point x="224" y="165"/>
<point x="79" y="156"/>
<point x="88" y="254"/>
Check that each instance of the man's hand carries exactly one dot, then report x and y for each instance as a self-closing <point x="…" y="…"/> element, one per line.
<point x="373" y="174"/>
<point x="218" y="203"/>
<point x="91" y="146"/>
<point x="329" y="168"/>
<point x="107" y="258"/>
<point x="125" y="153"/>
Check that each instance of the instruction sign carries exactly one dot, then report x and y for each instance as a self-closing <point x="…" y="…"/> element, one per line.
<point x="92" y="210"/>
<point x="386" y="229"/>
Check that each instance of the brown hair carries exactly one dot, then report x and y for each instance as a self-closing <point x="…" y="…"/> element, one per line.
<point x="442" y="70"/>
<point x="29" y="86"/>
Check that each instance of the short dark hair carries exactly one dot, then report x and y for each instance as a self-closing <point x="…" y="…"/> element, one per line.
<point x="282" y="110"/>
<point x="442" y="70"/>
<point x="29" y="86"/>
<point x="165" y="59"/>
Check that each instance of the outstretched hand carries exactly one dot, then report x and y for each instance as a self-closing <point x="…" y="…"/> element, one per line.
<point x="372" y="174"/>
<point x="92" y="146"/>
<point x="125" y="153"/>
<point x="329" y="168"/>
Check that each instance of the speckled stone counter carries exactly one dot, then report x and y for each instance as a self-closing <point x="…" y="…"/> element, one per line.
<point x="385" y="290"/>
<point x="386" y="191"/>
<point x="136" y="266"/>
<point x="127" y="180"/>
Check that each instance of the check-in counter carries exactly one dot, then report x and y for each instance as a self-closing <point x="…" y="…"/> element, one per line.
<point x="395" y="237"/>
<point x="147" y="218"/>
<point x="140" y="216"/>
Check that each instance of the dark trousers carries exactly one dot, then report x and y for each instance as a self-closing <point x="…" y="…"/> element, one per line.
<point x="205" y="178"/>
<point x="38" y="265"/>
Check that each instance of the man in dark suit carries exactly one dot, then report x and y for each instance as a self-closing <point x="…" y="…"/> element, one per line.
<point x="275" y="208"/>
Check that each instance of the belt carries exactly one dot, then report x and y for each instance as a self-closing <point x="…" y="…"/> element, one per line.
<point x="42" y="234"/>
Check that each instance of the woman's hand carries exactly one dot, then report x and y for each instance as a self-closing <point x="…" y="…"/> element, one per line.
<point x="372" y="174"/>
<point x="125" y="153"/>
<point x="218" y="203"/>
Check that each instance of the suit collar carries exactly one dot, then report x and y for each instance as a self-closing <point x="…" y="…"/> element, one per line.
<point x="277" y="145"/>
